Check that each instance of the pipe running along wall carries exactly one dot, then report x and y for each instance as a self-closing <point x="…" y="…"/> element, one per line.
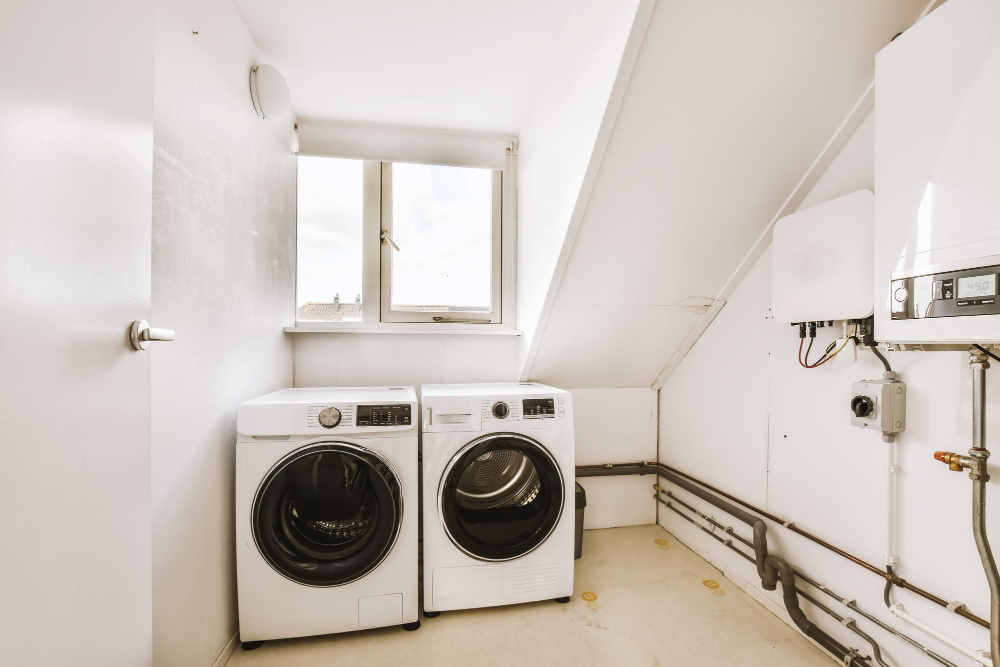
<point x="646" y="468"/>
<point x="770" y="567"/>
<point x="659" y="469"/>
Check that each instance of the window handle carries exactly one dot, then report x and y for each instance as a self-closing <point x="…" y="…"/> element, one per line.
<point x="387" y="240"/>
<point x="460" y="319"/>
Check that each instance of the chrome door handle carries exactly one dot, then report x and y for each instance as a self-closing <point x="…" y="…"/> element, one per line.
<point x="141" y="334"/>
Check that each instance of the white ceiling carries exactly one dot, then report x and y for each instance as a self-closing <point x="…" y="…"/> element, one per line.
<point x="454" y="64"/>
<point x="727" y="106"/>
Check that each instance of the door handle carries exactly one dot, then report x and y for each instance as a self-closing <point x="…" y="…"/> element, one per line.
<point x="141" y="334"/>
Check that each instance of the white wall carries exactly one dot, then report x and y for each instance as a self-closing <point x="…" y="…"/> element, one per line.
<point x="740" y="413"/>
<point x="566" y="129"/>
<point x="366" y="360"/>
<point x="223" y="258"/>
<point x="616" y="426"/>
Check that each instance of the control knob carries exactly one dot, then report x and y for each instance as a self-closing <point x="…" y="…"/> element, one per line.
<point x="329" y="417"/>
<point x="862" y="406"/>
<point x="500" y="410"/>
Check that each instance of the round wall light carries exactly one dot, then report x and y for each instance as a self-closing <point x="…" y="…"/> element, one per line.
<point x="269" y="92"/>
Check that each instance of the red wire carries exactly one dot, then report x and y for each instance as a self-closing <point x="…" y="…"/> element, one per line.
<point x="817" y="364"/>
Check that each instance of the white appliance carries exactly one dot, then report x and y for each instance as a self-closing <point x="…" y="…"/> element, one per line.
<point x="937" y="166"/>
<point x="822" y="259"/>
<point x="498" y="495"/>
<point x="326" y="511"/>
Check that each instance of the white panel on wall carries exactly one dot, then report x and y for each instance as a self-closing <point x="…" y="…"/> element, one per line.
<point x="223" y="257"/>
<point x="616" y="426"/>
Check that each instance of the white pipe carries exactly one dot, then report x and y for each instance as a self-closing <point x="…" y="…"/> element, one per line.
<point x="892" y="475"/>
<point x="898" y="611"/>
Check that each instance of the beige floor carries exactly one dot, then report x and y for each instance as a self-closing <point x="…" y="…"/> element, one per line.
<point x="651" y="608"/>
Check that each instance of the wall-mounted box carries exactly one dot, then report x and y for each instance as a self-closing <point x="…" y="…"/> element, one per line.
<point x="937" y="178"/>
<point x="822" y="259"/>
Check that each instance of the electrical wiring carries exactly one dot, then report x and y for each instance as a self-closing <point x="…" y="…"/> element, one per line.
<point x="827" y="355"/>
<point x="986" y="352"/>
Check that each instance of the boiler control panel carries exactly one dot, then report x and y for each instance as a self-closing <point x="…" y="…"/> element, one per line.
<point x="383" y="415"/>
<point x="946" y="294"/>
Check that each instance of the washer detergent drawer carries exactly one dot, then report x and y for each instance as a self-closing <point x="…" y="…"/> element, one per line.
<point x="468" y="586"/>
<point x="380" y="610"/>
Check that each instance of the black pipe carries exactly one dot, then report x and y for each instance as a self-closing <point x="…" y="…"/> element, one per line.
<point x="798" y="616"/>
<point x="768" y="576"/>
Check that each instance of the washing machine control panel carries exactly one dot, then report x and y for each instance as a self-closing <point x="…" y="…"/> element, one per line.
<point x="384" y="415"/>
<point x="539" y="408"/>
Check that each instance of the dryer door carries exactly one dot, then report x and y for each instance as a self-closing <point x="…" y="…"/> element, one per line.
<point x="501" y="496"/>
<point x="327" y="514"/>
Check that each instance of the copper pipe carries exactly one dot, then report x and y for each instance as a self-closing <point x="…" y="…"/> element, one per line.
<point x="896" y="581"/>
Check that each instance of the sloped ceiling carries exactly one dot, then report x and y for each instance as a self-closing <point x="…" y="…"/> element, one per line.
<point x="727" y="106"/>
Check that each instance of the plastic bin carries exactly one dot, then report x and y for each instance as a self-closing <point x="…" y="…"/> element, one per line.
<point x="581" y="504"/>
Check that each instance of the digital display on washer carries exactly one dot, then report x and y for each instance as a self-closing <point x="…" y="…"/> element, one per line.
<point x="539" y="408"/>
<point x="976" y="286"/>
<point x="383" y="415"/>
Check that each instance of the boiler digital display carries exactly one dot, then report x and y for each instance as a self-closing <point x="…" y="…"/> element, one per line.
<point x="976" y="286"/>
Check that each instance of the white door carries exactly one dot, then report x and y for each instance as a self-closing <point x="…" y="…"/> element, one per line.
<point x="75" y="224"/>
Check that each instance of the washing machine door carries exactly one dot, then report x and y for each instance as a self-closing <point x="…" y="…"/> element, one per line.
<point x="501" y="497"/>
<point x="327" y="514"/>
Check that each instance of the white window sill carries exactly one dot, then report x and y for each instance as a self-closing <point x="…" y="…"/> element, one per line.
<point x="439" y="328"/>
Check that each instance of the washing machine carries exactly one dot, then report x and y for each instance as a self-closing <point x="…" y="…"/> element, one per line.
<point x="326" y="512"/>
<point x="498" y="475"/>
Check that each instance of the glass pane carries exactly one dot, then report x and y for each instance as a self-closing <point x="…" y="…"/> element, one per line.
<point x="330" y="222"/>
<point x="442" y="222"/>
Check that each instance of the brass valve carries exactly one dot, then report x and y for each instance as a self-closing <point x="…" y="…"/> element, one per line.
<point x="953" y="460"/>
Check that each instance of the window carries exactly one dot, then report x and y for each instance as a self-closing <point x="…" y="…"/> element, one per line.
<point x="400" y="242"/>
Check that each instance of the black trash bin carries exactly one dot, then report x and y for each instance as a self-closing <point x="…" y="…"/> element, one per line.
<point x="581" y="503"/>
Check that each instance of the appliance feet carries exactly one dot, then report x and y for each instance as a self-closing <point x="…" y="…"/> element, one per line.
<point x="431" y="614"/>
<point x="563" y="600"/>
<point x="410" y="627"/>
<point x="250" y="646"/>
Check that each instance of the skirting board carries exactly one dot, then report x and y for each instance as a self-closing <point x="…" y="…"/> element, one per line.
<point x="228" y="649"/>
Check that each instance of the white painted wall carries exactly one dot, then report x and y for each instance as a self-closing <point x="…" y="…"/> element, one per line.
<point x="562" y="141"/>
<point x="741" y="414"/>
<point x="616" y="426"/>
<point x="223" y="258"/>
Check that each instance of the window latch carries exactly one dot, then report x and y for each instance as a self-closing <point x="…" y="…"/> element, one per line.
<point x="387" y="240"/>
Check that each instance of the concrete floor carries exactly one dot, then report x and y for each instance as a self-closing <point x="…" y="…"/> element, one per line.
<point x="640" y="600"/>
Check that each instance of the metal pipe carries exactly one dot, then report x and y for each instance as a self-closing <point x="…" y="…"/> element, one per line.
<point x="848" y="622"/>
<point x="729" y="543"/>
<point x="975" y="462"/>
<point x="648" y="468"/>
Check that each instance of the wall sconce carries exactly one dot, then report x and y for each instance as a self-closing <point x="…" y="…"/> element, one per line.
<point x="269" y="92"/>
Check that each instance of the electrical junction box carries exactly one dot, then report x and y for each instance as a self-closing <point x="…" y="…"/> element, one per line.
<point x="879" y="405"/>
<point x="937" y="170"/>
<point x="822" y="261"/>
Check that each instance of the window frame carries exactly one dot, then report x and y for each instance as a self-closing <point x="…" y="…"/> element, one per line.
<point x="494" y="316"/>
<point x="376" y="263"/>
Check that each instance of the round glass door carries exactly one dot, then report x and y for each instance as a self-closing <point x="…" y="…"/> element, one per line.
<point x="327" y="514"/>
<point x="501" y="497"/>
